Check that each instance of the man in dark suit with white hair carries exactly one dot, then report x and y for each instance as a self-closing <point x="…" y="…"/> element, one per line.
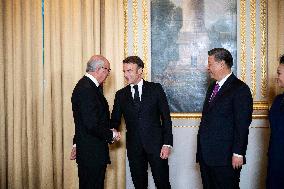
<point x="92" y="125"/>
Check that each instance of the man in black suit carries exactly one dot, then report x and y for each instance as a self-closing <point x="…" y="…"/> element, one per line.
<point x="223" y="133"/>
<point x="149" y="128"/>
<point x="92" y="125"/>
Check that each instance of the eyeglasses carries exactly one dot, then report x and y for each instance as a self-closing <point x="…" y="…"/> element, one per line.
<point x="107" y="69"/>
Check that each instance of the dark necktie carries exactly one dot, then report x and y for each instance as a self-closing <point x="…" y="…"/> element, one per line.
<point x="136" y="94"/>
<point x="215" y="91"/>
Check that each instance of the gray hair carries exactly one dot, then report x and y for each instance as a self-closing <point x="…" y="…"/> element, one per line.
<point x="93" y="64"/>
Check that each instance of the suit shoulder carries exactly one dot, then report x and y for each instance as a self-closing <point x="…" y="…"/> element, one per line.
<point x="153" y="84"/>
<point x="241" y="88"/>
<point x="82" y="85"/>
<point x="122" y="91"/>
<point x="241" y="84"/>
<point x="278" y="97"/>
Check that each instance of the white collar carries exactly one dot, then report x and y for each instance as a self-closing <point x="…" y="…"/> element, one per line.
<point x="93" y="79"/>
<point x="223" y="80"/>
<point x="140" y="84"/>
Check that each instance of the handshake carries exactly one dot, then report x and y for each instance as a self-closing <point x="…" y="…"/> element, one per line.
<point x="116" y="137"/>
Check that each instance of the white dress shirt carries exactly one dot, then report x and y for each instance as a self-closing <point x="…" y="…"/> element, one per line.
<point x="93" y="79"/>
<point x="222" y="81"/>
<point x="140" y="85"/>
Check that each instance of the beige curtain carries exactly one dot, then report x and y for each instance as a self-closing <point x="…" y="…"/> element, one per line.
<point x="112" y="28"/>
<point x="36" y="120"/>
<point x="21" y="92"/>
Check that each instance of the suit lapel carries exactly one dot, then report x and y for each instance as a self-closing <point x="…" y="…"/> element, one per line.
<point x="145" y="93"/>
<point x="97" y="90"/>
<point x="226" y="86"/>
<point x="129" y="94"/>
<point x="102" y="97"/>
<point x="208" y="94"/>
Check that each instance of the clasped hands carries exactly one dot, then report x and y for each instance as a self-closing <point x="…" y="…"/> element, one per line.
<point x="116" y="137"/>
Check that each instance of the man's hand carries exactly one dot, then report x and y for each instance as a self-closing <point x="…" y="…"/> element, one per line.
<point x="117" y="135"/>
<point x="237" y="162"/>
<point x="73" y="154"/>
<point x="165" y="152"/>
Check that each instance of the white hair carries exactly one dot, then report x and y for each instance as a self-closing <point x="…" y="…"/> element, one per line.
<point x="93" y="64"/>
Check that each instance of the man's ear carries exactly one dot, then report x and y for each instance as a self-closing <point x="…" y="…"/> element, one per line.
<point x="140" y="70"/>
<point x="223" y="63"/>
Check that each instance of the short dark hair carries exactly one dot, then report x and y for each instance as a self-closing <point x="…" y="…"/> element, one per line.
<point x="134" y="60"/>
<point x="281" y="61"/>
<point x="222" y="54"/>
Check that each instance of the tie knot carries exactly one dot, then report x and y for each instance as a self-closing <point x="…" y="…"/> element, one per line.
<point x="216" y="87"/>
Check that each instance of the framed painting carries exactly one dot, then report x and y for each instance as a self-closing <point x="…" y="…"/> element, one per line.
<point x="182" y="33"/>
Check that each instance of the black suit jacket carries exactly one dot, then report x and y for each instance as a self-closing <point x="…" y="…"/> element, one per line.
<point x="150" y="125"/>
<point x="92" y="124"/>
<point x="225" y="122"/>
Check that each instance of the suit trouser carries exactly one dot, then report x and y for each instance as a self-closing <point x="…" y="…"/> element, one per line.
<point x="275" y="172"/>
<point x="138" y="163"/>
<point x="91" y="177"/>
<point x="219" y="177"/>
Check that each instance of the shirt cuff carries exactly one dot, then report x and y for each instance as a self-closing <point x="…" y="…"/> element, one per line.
<point x="169" y="146"/>
<point x="74" y="145"/>
<point x="114" y="135"/>
<point x="237" y="155"/>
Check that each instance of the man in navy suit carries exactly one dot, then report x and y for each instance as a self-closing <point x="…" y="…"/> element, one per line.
<point x="92" y="125"/>
<point x="223" y="133"/>
<point x="149" y="128"/>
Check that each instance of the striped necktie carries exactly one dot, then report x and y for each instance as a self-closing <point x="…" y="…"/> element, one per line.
<point x="215" y="91"/>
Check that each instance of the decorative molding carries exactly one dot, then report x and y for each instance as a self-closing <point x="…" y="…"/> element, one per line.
<point x="198" y="116"/>
<point x="257" y="106"/>
<point x="145" y="37"/>
<point x="253" y="45"/>
<point x="186" y="126"/>
<point x="263" y="48"/>
<point x="260" y="105"/>
<point x="186" y="115"/>
<point x="251" y="127"/>
<point x="135" y="26"/>
<point x="259" y="116"/>
<point x="243" y="38"/>
<point x="125" y="37"/>
<point x="258" y="127"/>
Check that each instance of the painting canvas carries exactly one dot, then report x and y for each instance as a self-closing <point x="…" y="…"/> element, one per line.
<point x="182" y="33"/>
